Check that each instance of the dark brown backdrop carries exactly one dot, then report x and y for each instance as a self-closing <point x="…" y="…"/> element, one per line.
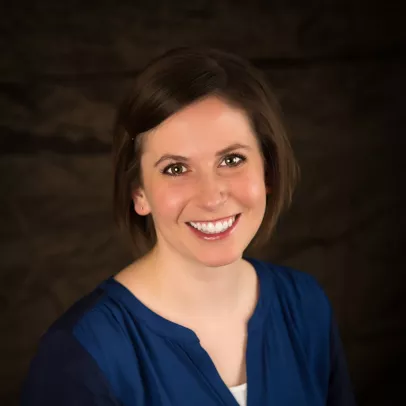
<point x="338" y="70"/>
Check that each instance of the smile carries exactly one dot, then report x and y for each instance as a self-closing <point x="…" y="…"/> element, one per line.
<point x="213" y="227"/>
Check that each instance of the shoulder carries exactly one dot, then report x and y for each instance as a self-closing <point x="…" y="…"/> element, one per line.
<point x="60" y="338"/>
<point x="298" y="286"/>
<point x="62" y="371"/>
<point x="298" y="302"/>
<point x="97" y="324"/>
<point x="64" y="359"/>
<point x="298" y="294"/>
<point x="91" y="322"/>
<point x="94" y="313"/>
<point x="292" y="283"/>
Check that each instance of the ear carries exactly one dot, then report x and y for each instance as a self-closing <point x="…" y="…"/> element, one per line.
<point x="140" y="202"/>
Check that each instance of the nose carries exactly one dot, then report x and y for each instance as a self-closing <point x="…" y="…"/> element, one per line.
<point x="211" y="192"/>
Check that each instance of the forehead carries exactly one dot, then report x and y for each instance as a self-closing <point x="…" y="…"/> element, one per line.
<point x="207" y="124"/>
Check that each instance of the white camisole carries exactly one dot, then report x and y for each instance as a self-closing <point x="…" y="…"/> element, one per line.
<point x="240" y="394"/>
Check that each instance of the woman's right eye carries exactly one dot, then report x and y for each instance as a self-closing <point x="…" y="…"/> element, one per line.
<point x="174" y="170"/>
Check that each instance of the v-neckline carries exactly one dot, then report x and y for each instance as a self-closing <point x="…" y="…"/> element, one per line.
<point x="187" y="336"/>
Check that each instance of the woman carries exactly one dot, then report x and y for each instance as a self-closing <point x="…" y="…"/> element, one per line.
<point x="203" y="169"/>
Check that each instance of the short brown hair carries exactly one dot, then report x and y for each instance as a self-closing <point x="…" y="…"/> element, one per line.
<point x="173" y="81"/>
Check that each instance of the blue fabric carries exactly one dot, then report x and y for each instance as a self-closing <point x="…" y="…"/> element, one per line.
<point x="110" y="349"/>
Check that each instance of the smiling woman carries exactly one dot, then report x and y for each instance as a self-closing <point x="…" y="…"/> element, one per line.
<point x="199" y="97"/>
<point x="219" y="175"/>
<point x="203" y="170"/>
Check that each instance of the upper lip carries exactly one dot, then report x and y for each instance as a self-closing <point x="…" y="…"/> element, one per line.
<point x="213" y="221"/>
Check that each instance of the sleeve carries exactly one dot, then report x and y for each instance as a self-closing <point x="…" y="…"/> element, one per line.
<point x="340" y="391"/>
<point x="63" y="373"/>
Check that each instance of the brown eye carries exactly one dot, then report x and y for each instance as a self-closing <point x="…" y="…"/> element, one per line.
<point x="234" y="160"/>
<point x="174" y="170"/>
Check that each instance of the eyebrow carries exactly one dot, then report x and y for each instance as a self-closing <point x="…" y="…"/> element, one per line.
<point x="185" y="159"/>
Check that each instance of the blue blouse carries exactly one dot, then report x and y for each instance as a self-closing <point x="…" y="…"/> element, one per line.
<point x="110" y="349"/>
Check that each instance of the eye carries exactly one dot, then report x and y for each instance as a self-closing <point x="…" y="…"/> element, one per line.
<point x="234" y="160"/>
<point x="174" y="169"/>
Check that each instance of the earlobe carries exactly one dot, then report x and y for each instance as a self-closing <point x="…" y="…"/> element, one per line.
<point x="140" y="208"/>
<point x="140" y="203"/>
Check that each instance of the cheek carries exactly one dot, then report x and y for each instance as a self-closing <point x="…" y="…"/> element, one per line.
<point x="250" y="189"/>
<point x="167" y="200"/>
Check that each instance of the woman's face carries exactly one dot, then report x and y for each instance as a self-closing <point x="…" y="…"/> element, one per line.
<point x="202" y="167"/>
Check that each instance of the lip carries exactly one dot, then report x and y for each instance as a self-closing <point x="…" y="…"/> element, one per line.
<point x="216" y="236"/>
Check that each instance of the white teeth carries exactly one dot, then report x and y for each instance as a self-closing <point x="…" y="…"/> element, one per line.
<point x="213" y="228"/>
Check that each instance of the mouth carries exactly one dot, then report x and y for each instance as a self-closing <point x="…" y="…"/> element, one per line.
<point x="215" y="227"/>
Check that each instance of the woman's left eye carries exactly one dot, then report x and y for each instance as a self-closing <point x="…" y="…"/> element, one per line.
<point x="234" y="160"/>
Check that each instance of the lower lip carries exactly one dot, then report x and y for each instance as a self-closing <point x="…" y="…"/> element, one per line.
<point x="217" y="236"/>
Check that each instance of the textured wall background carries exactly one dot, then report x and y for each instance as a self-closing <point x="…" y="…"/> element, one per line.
<point x="338" y="70"/>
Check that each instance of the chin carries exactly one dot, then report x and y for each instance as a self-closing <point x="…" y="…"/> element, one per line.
<point x="218" y="260"/>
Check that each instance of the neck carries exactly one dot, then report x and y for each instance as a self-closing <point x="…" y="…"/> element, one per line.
<point x="193" y="291"/>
